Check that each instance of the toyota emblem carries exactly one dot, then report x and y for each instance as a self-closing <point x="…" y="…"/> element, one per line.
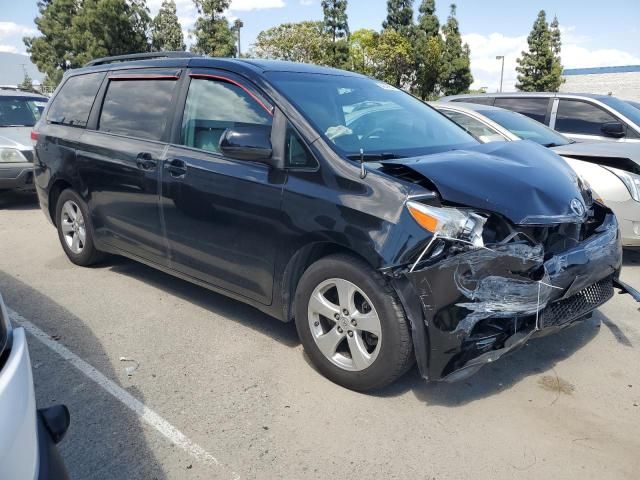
<point x="577" y="207"/>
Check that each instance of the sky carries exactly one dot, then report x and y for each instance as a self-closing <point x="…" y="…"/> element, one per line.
<point x="592" y="34"/>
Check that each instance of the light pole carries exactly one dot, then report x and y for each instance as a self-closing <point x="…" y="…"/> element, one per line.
<point x="238" y="24"/>
<point x="501" y="57"/>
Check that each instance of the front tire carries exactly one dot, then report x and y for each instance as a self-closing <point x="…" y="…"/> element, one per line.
<point x="74" y="229"/>
<point x="352" y="324"/>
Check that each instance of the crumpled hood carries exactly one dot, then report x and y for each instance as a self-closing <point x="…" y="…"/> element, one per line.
<point x="523" y="181"/>
<point x="16" y="137"/>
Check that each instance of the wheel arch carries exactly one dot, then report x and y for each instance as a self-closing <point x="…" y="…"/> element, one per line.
<point x="300" y="261"/>
<point x="57" y="187"/>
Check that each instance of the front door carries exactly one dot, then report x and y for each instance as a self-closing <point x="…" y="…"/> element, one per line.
<point x="119" y="163"/>
<point x="222" y="215"/>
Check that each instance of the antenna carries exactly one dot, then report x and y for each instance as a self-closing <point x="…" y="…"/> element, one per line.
<point x="363" y="171"/>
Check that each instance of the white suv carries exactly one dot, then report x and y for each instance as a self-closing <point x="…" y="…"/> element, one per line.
<point x="581" y="117"/>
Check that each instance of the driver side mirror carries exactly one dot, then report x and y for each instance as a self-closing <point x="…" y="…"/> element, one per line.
<point x="613" y="129"/>
<point x="247" y="142"/>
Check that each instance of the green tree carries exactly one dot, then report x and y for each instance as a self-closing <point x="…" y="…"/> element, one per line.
<point x="213" y="35"/>
<point x="455" y="76"/>
<point x="392" y="58"/>
<point x="540" y="69"/>
<point x="428" y="50"/>
<point x="27" y="83"/>
<point x="336" y="25"/>
<point x="51" y="52"/>
<point x="166" y="34"/>
<point x="109" y="27"/>
<point x="298" y="42"/>
<point x="554" y="35"/>
<point x="362" y="45"/>
<point x="399" y="16"/>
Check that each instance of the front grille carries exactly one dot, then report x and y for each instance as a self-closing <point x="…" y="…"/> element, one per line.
<point x="578" y="305"/>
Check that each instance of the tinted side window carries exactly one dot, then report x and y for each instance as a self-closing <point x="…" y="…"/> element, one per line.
<point x="297" y="153"/>
<point x="212" y="106"/>
<point x="138" y="108"/>
<point x="535" y="108"/>
<point x="575" y="116"/>
<point x="72" y="104"/>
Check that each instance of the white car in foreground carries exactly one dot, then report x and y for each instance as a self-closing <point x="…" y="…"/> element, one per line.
<point x="611" y="169"/>
<point x="28" y="436"/>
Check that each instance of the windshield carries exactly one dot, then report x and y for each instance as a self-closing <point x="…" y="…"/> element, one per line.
<point x="526" y="128"/>
<point x="633" y="104"/>
<point x="626" y="109"/>
<point x="356" y="113"/>
<point x="20" y="111"/>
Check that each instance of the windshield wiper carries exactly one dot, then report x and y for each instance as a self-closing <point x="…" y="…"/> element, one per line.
<point x="373" y="157"/>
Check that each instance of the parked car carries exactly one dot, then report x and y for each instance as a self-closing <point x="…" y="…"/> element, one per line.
<point x="612" y="170"/>
<point x="19" y="112"/>
<point x="388" y="237"/>
<point x="28" y="436"/>
<point x="581" y="117"/>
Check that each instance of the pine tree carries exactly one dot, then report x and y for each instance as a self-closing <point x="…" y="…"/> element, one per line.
<point x="166" y="32"/>
<point x="27" y="83"/>
<point x="336" y="25"/>
<point x="212" y="32"/>
<point x="428" y="50"/>
<point x="399" y="16"/>
<point x="455" y="76"/>
<point x="540" y="69"/>
<point x="51" y="51"/>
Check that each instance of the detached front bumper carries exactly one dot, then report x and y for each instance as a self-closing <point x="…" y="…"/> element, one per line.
<point x="16" y="176"/>
<point x="473" y="307"/>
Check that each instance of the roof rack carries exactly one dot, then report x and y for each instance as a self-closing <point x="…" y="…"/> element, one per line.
<point x="139" y="56"/>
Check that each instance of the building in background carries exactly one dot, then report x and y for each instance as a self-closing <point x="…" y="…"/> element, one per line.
<point x="621" y="82"/>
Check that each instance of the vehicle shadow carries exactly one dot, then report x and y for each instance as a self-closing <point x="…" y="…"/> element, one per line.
<point x="630" y="257"/>
<point x="229" y="308"/>
<point x="538" y="356"/>
<point x="105" y="439"/>
<point x="15" y="200"/>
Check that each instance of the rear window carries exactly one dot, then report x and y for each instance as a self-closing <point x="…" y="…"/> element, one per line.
<point x="20" y="111"/>
<point x="532" y="107"/>
<point x="72" y="104"/>
<point x="137" y="108"/>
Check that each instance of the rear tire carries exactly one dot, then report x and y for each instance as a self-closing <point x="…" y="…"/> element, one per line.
<point x="352" y="324"/>
<point x="74" y="229"/>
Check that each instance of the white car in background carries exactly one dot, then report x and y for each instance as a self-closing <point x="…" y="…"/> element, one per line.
<point x="28" y="436"/>
<point x="611" y="169"/>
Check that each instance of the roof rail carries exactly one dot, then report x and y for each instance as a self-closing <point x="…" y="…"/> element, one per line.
<point x="139" y="56"/>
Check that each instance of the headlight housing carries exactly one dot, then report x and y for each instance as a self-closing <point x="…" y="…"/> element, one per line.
<point x="630" y="180"/>
<point x="11" y="155"/>
<point x="449" y="223"/>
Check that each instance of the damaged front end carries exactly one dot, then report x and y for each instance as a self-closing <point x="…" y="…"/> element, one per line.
<point x="478" y="303"/>
<point x="488" y="280"/>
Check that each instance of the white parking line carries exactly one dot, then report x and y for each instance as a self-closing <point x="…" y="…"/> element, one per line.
<point x="170" y="432"/>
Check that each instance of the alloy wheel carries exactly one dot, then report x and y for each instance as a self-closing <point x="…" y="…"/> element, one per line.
<point x="73" y="226"/>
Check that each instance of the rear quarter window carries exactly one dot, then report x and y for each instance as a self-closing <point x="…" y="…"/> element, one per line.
<point x="72" y="104"/>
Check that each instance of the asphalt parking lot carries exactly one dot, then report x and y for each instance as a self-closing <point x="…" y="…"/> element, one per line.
<point x="216" y="389"/>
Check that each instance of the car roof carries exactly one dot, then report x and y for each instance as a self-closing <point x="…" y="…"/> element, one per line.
<point x="240" y="65"/>
<point x="8" y="92"/>
<point x="524" y="94"/>
<point x="475" y="107"/>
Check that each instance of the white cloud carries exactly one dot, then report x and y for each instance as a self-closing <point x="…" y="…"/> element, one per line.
<point x="575" y="54"/>
<point x="8" y="49"/>
<point x="306" y="3"/>
<point x="8" y="29"/>
<point x="246" y="5"/>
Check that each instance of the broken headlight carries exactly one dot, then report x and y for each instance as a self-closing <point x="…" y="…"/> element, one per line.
<point x="449" y="223"/>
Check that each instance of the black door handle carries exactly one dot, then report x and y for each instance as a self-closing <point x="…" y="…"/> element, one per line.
<point x="145" y="161"/>
<point x="177" y="168"/>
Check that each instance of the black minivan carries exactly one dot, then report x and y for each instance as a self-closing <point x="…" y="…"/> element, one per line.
<point x="322" y="196"/>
